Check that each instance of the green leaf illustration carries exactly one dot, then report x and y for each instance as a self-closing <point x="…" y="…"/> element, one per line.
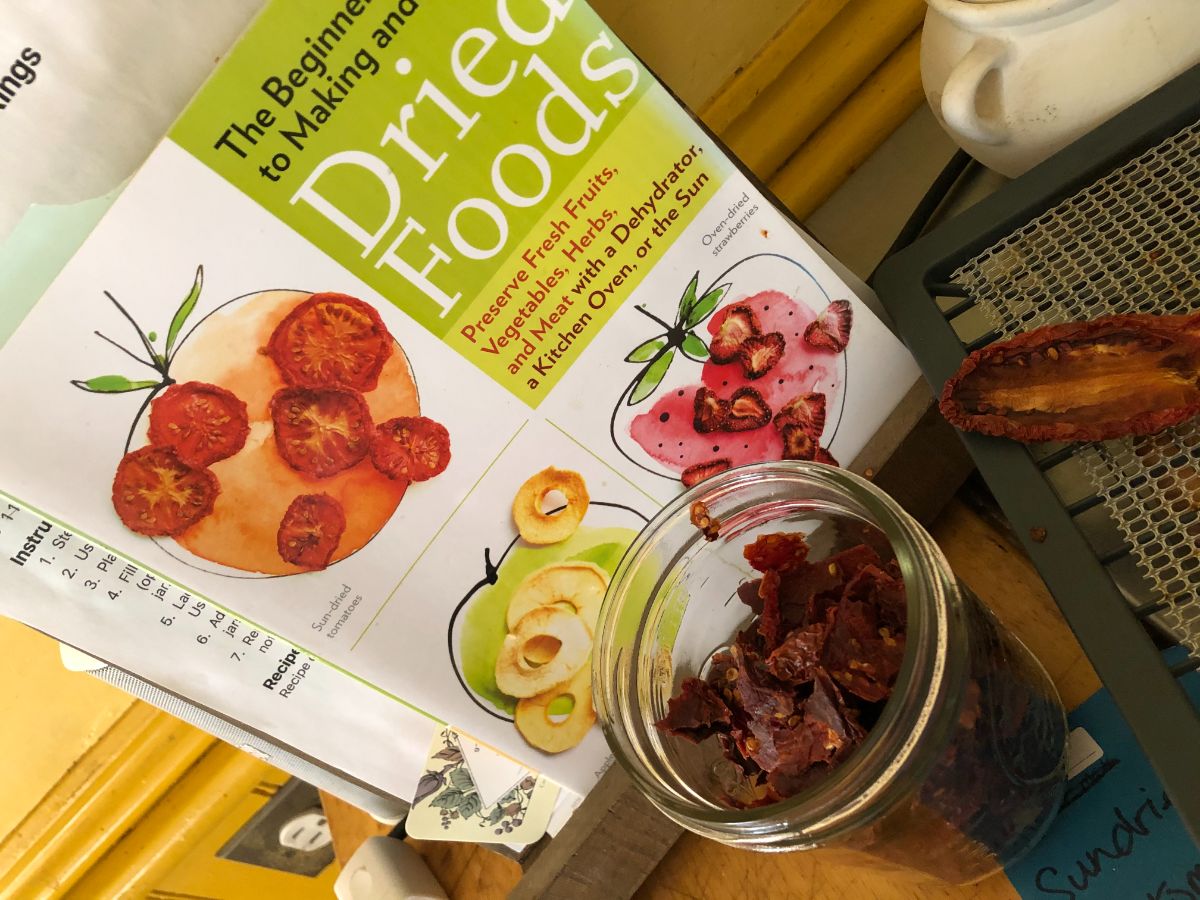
<point x="705" y="305"/>
<point x="113" y="384"/>
<point x="688" y="300"/>
<point x="646" y="352"/>
<point x="447" y="799"/>
<point x="495" y="815"/>
<point x="462" y="780"/>
<point x="469" y="805"/>
<point x="651" y="378"/>
<point x="185" y="309"/>
<point x="694" y="348"/>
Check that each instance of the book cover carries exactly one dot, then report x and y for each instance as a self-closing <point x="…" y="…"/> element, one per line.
<point x="396" y="259"/>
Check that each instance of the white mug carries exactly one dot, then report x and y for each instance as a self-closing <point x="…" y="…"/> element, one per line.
<point x="1013" y="81"/>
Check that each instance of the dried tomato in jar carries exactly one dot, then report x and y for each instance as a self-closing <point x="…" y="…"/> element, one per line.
<point x="812" y="674"/>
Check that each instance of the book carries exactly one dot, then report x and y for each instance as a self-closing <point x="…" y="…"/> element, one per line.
<point x="395" y="262"/>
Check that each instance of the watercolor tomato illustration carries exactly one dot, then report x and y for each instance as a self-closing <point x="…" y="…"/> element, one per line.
<point x="251" y="450"/>
<point x="746" y="368"/>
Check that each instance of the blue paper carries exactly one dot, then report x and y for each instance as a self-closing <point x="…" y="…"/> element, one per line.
<point x="1117" y="835"/>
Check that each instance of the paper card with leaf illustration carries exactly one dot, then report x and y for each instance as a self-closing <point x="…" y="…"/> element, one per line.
<point x="470" y="793"/>
<point x="395" y="261"/>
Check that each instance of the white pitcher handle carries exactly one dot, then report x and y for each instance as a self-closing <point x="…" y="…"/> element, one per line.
<point x="959" y="98"/>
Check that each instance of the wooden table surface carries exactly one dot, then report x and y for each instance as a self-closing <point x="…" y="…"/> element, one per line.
<point x="988" y="561"/>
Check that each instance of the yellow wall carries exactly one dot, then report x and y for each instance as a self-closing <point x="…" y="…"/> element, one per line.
<point x="50" y="717"/>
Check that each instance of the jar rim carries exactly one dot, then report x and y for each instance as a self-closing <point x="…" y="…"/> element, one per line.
<point x="880" y="769"/>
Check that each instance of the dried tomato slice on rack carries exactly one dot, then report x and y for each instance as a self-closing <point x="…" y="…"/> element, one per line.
<point x="413" y="448"/>
<point x="1082" y="381"/>
<point x="321" y="432"/>
<point x="203" y="422"/>
<point x="155" y="493"/>
<point x="310" y="531"/>
<point x="331" y="340"/>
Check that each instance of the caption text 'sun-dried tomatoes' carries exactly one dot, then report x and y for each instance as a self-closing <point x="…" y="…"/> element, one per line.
<point x="310" y="530"/>
<point x="331" y="340"/>
<point x="155" y="493"/>
<point x="321" y="432"/>
<point x="412" y="448"/>
<point x="203" y="422"/>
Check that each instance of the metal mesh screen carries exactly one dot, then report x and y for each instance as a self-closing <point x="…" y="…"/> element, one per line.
<point x="1128" y="243"/>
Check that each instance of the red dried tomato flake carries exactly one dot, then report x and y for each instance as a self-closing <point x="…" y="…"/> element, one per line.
<point x="155" y="493"/>
<point x="310" y="531"/>
<point x="411" y="448"/>
<point x="776" y="552"/>
<point x="203" y="422"/>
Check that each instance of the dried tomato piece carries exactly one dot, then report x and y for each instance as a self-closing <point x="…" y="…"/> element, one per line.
<point x="696" y="712"/>
<point x="331" y="340"/>
<point x="747" y="411"/>
<point x="155" y="493"/>
<point x="203" y="422"/>
<point x="879" y="589"/>
<point x="693" y="475"/>
<point x="1083" y="381"/>
<point x="310" y="530"/>
<point x="709" y="526"/>
<point x="739" y="323"/>
<point x="831" y="330"/>
<point x="321" y="432"/>
<point x="411" y="448"/>
<point x="759" y="353"/>
<point x="861" y="656"/>
<point x="798" y="658"/>
<point x="826" y="710"/>
<point x="753" y="691"/>
<point x="777" y="552"/>
<point x="709" y="411"/>
<point x="770" y="619"/>
<point x="806" y="411"/>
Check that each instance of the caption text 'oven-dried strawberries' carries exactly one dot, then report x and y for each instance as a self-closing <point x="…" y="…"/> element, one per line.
<point x="1082" y="381"/>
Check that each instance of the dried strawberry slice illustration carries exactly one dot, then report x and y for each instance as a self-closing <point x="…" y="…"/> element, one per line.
<point x="739" y="323"/>
<point x="413" y="448"/>
<point x="693" y="475"/>
<point x="203" y="422"/>
<point x="710" y="412"/>
<point x="310" y="531"/>
<point x="747" y="411"/>
<point x="798" y="443"/>
<point x="824" y="456"/>
<point x="759" y="353"/>
<point x="321" y="432"/>
<point x="156" y="493"/>
<point x="831" y="330"/>
<point x="806" y="410"/>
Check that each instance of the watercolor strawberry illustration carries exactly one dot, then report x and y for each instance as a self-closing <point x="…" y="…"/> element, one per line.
<point x="751" y="367"/>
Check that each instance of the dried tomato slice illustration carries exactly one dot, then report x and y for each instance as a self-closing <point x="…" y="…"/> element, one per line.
<point x="1083" y="381"/>
<point x="203" y="422"/>
<point x="331" y="340"/>
<point x="321" y="432"/>
<point x="310" y="531"/>
<point x="413" y="448"/>
<point x="155" y="493"/>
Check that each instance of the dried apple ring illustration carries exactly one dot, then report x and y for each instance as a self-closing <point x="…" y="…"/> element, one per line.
<point x="539" y="527"/>
<point x="272" y="398"/>
<point x="548" y="646"/>
<point x="578" y="585"/>
<point x="553" y="734"/>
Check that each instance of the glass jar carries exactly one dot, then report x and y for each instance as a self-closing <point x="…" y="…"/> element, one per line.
<point x="964" y="768"/>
